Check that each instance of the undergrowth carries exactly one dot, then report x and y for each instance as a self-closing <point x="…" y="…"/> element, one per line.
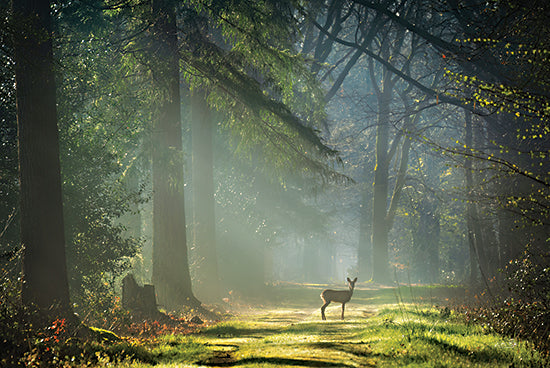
<point x="521" y="308"/>
<point x="28" y="338"/>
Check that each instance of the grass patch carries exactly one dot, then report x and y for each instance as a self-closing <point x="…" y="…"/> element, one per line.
<point x="180" y="349"/>
<point x="407" y="336"/>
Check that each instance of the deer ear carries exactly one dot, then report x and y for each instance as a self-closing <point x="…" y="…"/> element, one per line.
<point x="349" y="279"/>
<point x="355" y="280"/>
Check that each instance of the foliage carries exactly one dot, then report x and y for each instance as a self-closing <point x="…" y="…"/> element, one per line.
<point x="525" y="312"/>
<point x="9" y="192"/>
<point x="98" y="123"/>
<point x="15" y="326"/>
<point x="30" y="339"/>
<point x="497" y="63"/>
<point x="270" y="101"/>
<point x="512" y="99"/>
<point x="430" y="224"/>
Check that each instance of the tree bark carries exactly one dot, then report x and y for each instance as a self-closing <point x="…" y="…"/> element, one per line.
<point x="425" y="257"/>
<point x="472" y="220"/>
<point x="45" y="282"/>
<point x="171" y="275"/>
<point x="203" y="201"/>
<point x="364" y="251"/>
<point x="380" y="229"/>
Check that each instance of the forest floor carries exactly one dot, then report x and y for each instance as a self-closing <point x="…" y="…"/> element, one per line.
<point x="404" y="327"/>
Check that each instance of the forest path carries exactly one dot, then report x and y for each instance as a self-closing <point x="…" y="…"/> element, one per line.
<point x="289" y="337"/>
<point x="375" y="333"/>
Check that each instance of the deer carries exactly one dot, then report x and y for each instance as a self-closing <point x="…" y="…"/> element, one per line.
<point x="340" y="296"/>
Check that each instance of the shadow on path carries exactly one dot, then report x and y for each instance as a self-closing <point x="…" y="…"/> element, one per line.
<point x="226" y="361"/>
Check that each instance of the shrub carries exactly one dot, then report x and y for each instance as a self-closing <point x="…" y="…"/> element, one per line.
<point x="523" y="308"/>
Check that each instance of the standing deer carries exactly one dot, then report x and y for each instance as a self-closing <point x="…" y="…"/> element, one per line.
<point x="340" y="296"/>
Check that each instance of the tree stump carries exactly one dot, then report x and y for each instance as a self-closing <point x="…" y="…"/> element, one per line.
<point x="141" y="299"/>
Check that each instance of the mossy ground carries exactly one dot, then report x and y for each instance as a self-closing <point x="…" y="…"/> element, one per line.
<point x="409" y="327"/>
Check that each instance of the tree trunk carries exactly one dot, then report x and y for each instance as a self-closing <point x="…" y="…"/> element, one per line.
<point x="45" y="280"/>
<point x="133" y="223"/>
<point x="425" y="257"/>
<point x="364" y="252"/>
<point x="471" y="215"/>
<point x="203" y="201"/>
<point x="380" y="229"/>
<point x="433" y="256"/>
<point x="171" y="275"/>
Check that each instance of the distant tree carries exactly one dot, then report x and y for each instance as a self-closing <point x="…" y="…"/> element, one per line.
<point x="426" y="248"/>
<point x="203" y="128"/>
<point x="490" y="62"/>
<point x="383" y="46"/>
<point x="42" y="233"/>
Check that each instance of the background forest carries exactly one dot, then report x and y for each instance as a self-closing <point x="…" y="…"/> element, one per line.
<point x="215" y="148"/>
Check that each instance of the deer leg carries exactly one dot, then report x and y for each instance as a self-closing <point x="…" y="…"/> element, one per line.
<point x="343" y="307"/>
<point x="323" y="310"/>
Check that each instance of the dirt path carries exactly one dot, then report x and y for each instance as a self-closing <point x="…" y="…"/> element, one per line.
<point x="290" y="337"/>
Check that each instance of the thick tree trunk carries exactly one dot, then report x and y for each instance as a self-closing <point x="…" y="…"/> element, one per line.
<point x="42" y="234"/>
<point x="171" y="275"/>
<point x="203" y="201"/>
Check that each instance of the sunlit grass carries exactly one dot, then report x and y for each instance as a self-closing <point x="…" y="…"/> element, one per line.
<point x="179" y="348"/>
<point x="397" y="336"/>
<point x="381" y="335"/>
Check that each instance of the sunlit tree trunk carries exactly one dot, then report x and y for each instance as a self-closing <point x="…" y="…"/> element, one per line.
<point x="133" y="222"/>
<point x="171" y="275"/>
<point x="42" y="235"/>
<point x="203" y="198"/>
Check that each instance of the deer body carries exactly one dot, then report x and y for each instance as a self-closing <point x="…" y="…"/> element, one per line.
<point x="340" y="296"/>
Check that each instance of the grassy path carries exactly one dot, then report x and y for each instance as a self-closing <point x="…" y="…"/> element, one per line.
<point x="376" y="333"/>
<point x="288" y="337"/>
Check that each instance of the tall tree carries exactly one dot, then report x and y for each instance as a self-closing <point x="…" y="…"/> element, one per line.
<point x="380" y="224"/>
<point x="42" y="235"/>
<point x="171" y="275"/>
<point x="204" y="232"/>
<point x="476" y="243"/>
